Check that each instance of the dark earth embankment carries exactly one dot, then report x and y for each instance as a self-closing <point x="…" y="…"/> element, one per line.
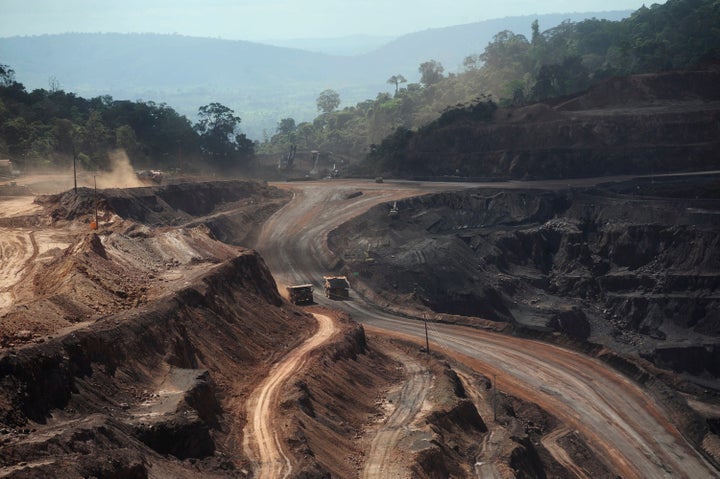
<point x="633" y="266"/>
<point x="620" y="265"/>
<point x="664" y="122"/>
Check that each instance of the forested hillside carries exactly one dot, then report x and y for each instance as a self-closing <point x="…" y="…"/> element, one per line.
<point x="514" y="70"/>
<point x="51" y="129"/>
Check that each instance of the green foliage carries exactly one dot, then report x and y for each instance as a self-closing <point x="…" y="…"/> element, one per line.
<point x="286" y="126"/>
<point x="7" y="75"/>
<point x="431" y="72"/>
<point x="563" y="60"/>
<point x="396" y="80"/>
<point x="328" y="101"/>
<point x="389" y="156"/>
<point x="220" y="142"/>
<point x="482" y="109"/>
<point x="48" y="128"/>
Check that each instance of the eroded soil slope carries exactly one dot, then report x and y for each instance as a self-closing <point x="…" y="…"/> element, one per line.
<point x="125" y="348"/>
<point x="58" y="273"/>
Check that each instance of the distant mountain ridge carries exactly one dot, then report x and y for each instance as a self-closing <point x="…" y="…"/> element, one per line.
<point x="261" y="83"/>
<point x="348" y="45"/>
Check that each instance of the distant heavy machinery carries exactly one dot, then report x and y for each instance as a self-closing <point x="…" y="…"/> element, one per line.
<point x="6" y="169"/>
<point x="287" y="161"/>
<point x="311" y="163"/>
<point x="394" y="210"/>
<point x="150" y="176"/>
<point x="301" y="294"/>
<point x="315" y="160"/>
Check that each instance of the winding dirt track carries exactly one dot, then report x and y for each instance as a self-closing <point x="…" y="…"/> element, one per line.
<point x="612" y="414"/>
<point x="261" y="441"/>
<point x="380" y="462"/>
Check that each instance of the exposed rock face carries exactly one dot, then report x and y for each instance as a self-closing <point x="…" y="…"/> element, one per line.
<point x="619" y="265"/>
<point x="662" y="122"/>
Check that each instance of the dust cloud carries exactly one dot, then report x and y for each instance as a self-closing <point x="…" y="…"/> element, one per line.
<point x="121" y="174"/>
<point x="45" y="182"/>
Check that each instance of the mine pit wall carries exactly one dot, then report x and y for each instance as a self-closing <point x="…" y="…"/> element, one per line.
<point x="649" y="265"/>
<point x="228" y="324"/>
<point x="631" y="270"/>
<point x="572" y="147"/>
<point x="665" y="122"/>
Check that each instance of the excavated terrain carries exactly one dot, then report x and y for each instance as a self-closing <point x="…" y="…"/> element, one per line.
<point x="633" y="265"/>
<point x="124" y="349"/>
<point x="138" y="348"/>
<point x="130" y="350"/>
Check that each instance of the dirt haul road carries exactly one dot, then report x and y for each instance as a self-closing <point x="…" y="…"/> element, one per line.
<point x="261" y="441"/>
<point x="611" y="413"/>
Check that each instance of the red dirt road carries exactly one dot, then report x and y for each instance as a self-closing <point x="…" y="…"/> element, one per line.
<point x="260" y="438"/>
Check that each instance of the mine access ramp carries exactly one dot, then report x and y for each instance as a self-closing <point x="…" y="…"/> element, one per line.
<point x="301" y="293"/>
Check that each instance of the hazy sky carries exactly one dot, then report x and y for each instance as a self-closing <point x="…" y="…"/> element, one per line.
<point x="258" y="20"/>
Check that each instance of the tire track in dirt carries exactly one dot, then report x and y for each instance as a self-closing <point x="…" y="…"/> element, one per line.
<point x="613" y="415"/>
<point x="380" y="461"/>
<point x="260" y="439"/>
<point x="16" y="254"/>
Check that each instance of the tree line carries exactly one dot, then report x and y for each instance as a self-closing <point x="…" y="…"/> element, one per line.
<point x="51" y="128"/>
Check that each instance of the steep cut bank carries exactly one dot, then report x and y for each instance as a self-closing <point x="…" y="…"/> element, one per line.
<point x="633" y="266"/>
<point x="664" y="122"/>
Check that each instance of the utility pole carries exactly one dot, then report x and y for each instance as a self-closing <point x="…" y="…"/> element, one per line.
<point x="494" y="398"/>
<point x="96" y="201"/>
<point x="75" y="169"/>
<point x="427" y="339"/>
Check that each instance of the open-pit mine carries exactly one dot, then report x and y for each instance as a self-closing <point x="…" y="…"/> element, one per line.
<point x="564" y="329"/>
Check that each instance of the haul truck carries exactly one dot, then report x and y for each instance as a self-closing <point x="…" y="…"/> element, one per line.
<point x="300" y="293"/>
